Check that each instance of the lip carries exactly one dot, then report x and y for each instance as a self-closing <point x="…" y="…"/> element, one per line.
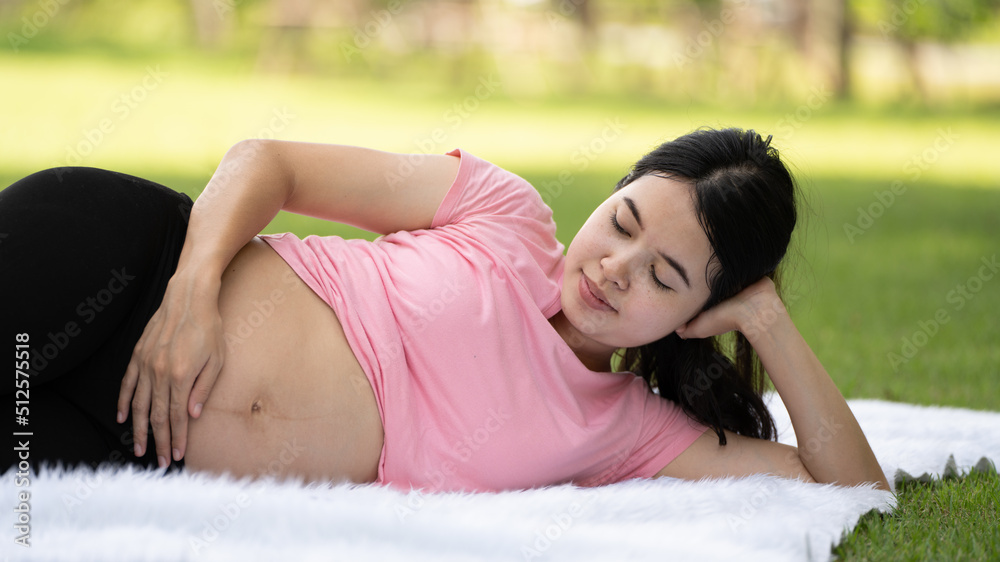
<point x="592" y="295"/>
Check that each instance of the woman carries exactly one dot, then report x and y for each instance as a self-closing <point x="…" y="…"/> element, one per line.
<point x="461" y="350"/>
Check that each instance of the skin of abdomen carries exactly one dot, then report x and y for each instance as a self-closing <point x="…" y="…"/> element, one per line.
<point x="291" y="399"/>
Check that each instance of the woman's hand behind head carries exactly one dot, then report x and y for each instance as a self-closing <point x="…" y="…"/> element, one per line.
<point x="750" y="312"/>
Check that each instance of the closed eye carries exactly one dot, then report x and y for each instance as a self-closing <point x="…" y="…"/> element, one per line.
<point x="617" y="225"/>
<point x="652" y="270"/>
<point x="656" y="280"/>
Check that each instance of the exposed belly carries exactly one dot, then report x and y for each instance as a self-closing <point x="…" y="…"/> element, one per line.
<point x="291" y="399"/>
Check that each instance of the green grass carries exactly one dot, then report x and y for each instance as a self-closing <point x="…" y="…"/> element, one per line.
<point x="854" y="298"/>
<point x="867" y="297"/>
<point x="953" y="519"/>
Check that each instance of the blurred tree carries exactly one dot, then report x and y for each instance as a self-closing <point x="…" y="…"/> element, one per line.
<point x="842" y="86"/>
<point x="285" y="33"/>
<point x="581" y="11"/>
<point x="909" y="22"/>
<point x="210" y="20"/>
<point x="830" y="23"/>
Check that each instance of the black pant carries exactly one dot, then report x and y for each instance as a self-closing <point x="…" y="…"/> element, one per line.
<point x="85" y="256"/>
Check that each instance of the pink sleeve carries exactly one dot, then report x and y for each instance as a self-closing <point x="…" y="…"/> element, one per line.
<point x="670" y="434"/>
<point x="482" y="189"/>
<point x="651" y="456"/>
<point x="667" y="431"/>
<point x="502" y="210"/>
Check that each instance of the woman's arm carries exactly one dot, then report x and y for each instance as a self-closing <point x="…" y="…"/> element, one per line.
<point x="177" y="359"/>
<point x="832" y="448"/>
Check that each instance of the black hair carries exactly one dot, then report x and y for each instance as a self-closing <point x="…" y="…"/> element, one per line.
<point x="745" y="200"/>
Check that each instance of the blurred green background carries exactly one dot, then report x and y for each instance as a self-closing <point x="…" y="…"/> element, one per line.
<point x="888" y="112"/>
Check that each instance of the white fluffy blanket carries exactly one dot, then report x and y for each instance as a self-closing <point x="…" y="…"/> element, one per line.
<point x="132" y="516"/>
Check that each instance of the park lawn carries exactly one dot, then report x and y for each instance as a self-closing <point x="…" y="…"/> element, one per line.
<point x="952" y="519"/>
<point x="890" y="279"/>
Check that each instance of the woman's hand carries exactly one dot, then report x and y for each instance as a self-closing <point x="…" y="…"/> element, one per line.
<point x="174" y="365"/>
<point x="751" y="311"/>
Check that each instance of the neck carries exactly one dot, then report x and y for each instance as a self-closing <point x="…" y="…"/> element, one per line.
<point x="594" y="356"/>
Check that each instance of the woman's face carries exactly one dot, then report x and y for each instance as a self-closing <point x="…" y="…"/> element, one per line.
<point x="636" y="269"/>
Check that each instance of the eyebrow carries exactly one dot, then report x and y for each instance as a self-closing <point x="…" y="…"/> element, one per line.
<point x="671" y="261"/>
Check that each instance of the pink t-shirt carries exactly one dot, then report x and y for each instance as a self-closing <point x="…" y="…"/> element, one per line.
<point x="476" y="389"/>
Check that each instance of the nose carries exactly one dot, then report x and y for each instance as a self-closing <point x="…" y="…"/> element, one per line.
<point x="616" y="269"/>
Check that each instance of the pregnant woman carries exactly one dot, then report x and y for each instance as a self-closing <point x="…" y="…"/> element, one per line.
<point x="462" y="350"/>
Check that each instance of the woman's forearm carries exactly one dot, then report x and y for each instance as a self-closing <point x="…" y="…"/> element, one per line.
<point x="248" y="189"/>
<point x="831" y="444"/>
